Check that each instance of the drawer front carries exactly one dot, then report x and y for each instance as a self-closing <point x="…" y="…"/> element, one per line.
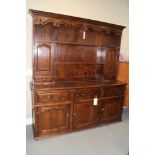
<point x="95" y="93"/>
<point x="85" y="94"/>
<point x="81" y="94"/>
<point x="113" y="91"/>
<point x="43" y="79"/>
<point x="57" y="96"/>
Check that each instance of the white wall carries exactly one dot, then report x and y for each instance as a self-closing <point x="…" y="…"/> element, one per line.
<point x="112" y="11"/>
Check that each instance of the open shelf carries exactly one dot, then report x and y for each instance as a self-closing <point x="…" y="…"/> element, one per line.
<point x="74" y="43"/>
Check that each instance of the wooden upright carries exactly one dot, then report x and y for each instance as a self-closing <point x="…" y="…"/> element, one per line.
<point x="123" y="75"/>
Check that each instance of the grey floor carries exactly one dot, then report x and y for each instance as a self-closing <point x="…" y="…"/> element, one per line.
<point x="110" y="139"/>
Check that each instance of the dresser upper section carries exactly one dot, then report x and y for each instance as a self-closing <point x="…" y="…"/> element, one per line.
<point x="67" y="48"/>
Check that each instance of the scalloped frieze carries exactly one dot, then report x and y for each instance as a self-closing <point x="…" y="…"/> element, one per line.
<point x="75" y="25"/>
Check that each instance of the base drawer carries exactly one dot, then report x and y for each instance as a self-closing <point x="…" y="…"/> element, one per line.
<point x="54" y="97"/>
<point x="112" y="91"/>
<point x="87" y="94"/>
<point x="43" y="79"/>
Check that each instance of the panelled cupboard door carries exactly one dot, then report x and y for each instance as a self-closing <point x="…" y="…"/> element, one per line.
<point x="43" y="61"/>
<point x="110" y="64"/>
<point x="53" y="119"/>
<point x="111" y="108"/>
<point x="85" y="114"/>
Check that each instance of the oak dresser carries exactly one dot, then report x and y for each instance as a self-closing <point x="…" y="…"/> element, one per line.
<point x="74" y="82"/>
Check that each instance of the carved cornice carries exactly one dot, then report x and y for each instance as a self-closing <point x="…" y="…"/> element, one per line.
<point x="40" y="20"/>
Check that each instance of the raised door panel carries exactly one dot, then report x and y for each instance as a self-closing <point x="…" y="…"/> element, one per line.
<point x="43" y="61"/>
<point x="110" y="68"/>
<point x="111" y="109"/>
<point x="85" y="114"/>
<point x="53" y="119"/>
<point x="43" y="58"/>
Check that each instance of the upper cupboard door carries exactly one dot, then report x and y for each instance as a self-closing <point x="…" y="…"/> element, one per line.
<point x="43" y="58"/>
<point x="110" y="64"/>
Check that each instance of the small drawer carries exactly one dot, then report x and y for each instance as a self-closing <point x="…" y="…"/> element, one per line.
<point x="95" y="93"/>
<point x="43" y="79"/>
<point x="82" y="94"/>
<point x="87" y="94"/>
<point x="113" y="91"/>
<point x="59" y="96"/>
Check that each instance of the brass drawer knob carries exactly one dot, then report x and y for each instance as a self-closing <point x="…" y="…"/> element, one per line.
<point x="74" y="114"/>
<point x="63" y="97"/>
<point x="109" y="93"/>
<point x="77" y="95"/>
<point x="102" y="109"/>
<point x="67" y="115"/>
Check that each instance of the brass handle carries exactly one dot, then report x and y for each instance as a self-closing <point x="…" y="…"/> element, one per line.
<point x="77" y="95"/>
<point x="109" y="93"/>
<point x="67" y="115"/>
<point x="74" y="114"/>
<point x="63" y="97"/>
<point x="83" y="95"/>
<point x="44" y="79"/>
<point x="102" y="109"/>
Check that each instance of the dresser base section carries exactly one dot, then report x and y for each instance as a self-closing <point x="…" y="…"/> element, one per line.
<point x="63" y="110"/>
